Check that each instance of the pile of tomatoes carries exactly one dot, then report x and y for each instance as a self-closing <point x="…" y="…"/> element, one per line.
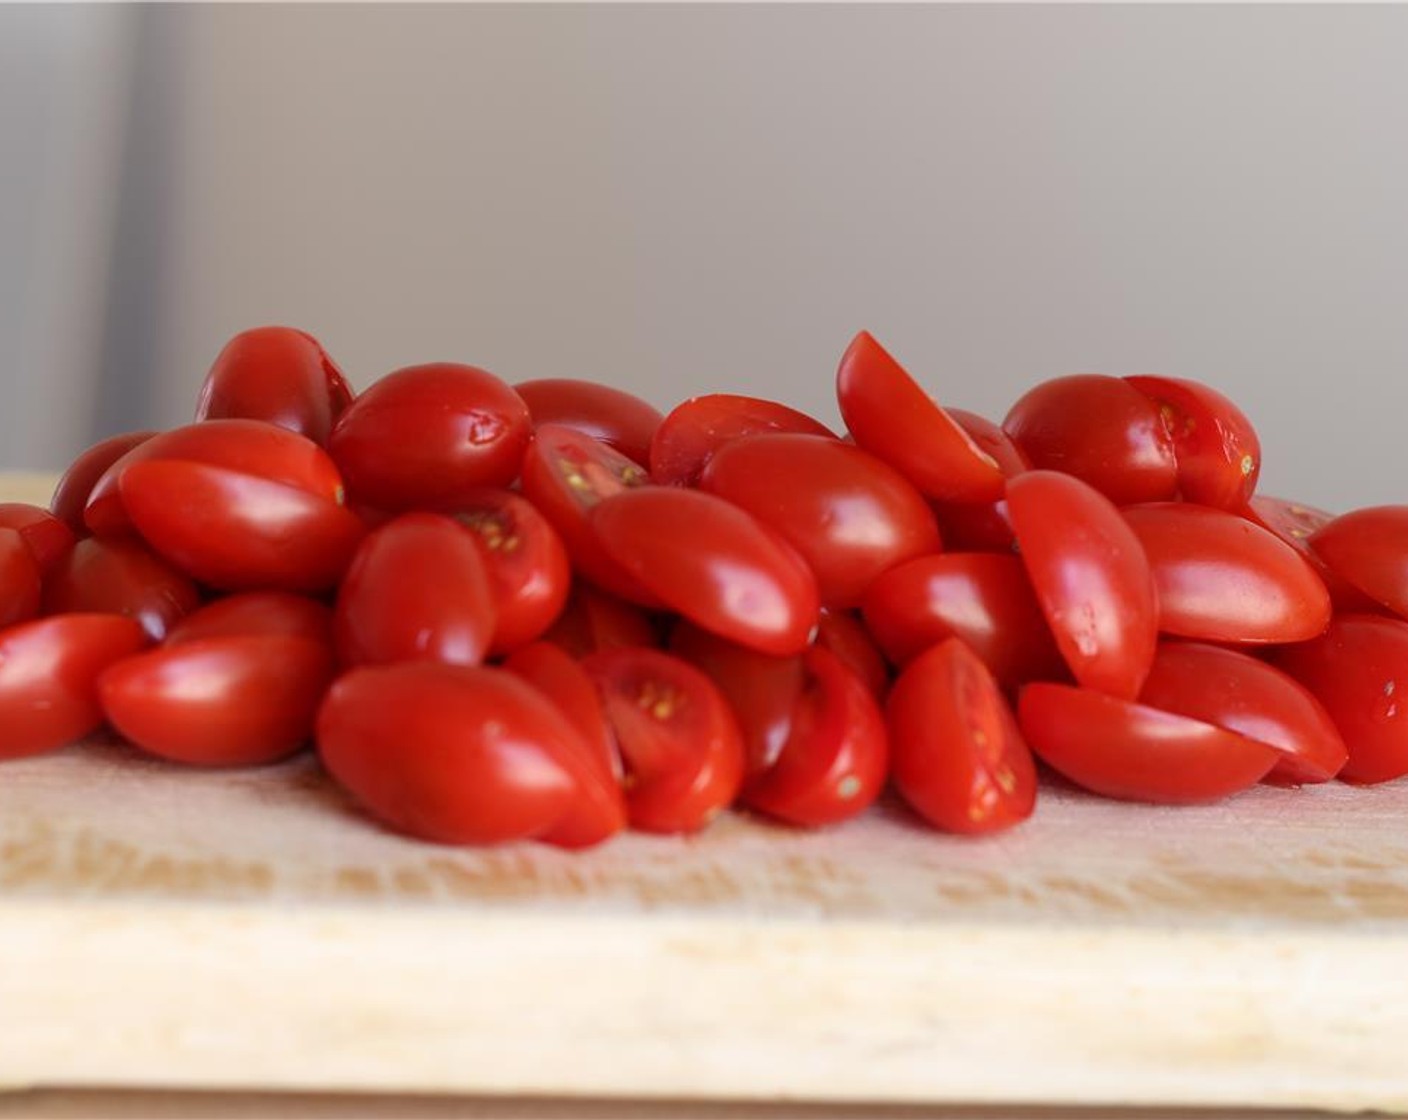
<point x="549" y="611"/>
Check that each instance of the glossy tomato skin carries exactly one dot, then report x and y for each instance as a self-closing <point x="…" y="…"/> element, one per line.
<point x="594" y="620"/>
<point x="712" y="562"/>
<point x="420" y="435"/>
<point x="1134" y="752"/>
<point x="956" y="755"/>
<point x="48" y="538"/>
<point x="1223" y="579"/>
<point x="279" y="375"/>
<point x="1358" y="669"/>
<point x="417" y="589"/>
<point x="71" y="495"/>
<point x="617" y="418"/>
<point x="1247" y="696"/>
<point x="848" y="514"/>
<point x="238" y="700"/>
<point x="20" y="586"/>
<point x="256" y="613"/>
<point x="49" y="673"/>
<point x="687" y="438"/>
<point x="1215" y="447"/>
<point x="843" y="633"/>
<point x="1091" y="578"/>
<point x="982" y="526"/>
<point x="121" y="576"/>
<point x="1100" y="429"/>
<point x="1295" y="523"/>
<point x="1368" y="549"/>
<point x="449" y="753"/>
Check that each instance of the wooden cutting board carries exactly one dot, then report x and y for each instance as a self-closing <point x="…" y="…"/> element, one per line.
<point x="170" y="927"/>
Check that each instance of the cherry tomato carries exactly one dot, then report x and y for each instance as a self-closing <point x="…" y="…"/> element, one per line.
<point x="1223" y="579"/>
<point x="1134" y="752"/>
<point x="843" y="634"/>
<point x="619" y="419"/>
<point x="713" y="563"/>
<point x="19" y="580"/>
<point x="417" y="589"/>
<point x="456" y="754"/>
<point x="238" y="700"/>
<point x="1216" y="449"/>
<point x="982" y="526"/>
<point x="687" y="438"/>
<point x="848" y="514"/>
<point x="48" y="538"/>
<point x="1368" y="549"/>
<point x="279" y="375"/>
<point x="956" y="754"/>
<point x="256" y="613"/>
<point x="71" y="495"/>
<point x="1102" y="430"/>
<point x="237" y="532"/>
<point x="1294" y="523"/>
<point x="121" y="576"/>
<point x="678" y="741"/>
<point x="49" y="678"/>
<point x="594" y="620"/>
<point x="1091" y="578"/>
<point x="1358" y="669"/>
<point x="892" y="417"/>
<point x="421" y="435"/>
<point x="1239" y="693"/>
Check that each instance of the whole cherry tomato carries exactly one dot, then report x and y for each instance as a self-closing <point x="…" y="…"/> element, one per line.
<point x="1368" y="549"/>
<point x="48" y="538"/>
<point x="1295" y="523"/>
<point x="843" y="633"/>
<point x="687" y="438"/>
<point x="593" y="620"/>
<point x="617" y="418"/>
<point x="121" y="576"/>
<point x="1216" y="449"/>
<point x="19" y="580"/>
<point x="256" y="613"/>
<point x="71" y="495"/>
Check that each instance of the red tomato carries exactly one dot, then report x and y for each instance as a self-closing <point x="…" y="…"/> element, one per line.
<point x="256" y="613"/>
<point x="416" y="590"/>
<point x="976" y="526"/>
<point x="679" y="742"/>
<point x="1091" y="578"/>
<point x="121" y="576"/>
<point x="1294" y="523"/>
<point x="239" y="700"/>
<point x="617" y="418"/>
<point x="71" y="495"/>
<point x="1100" y="429"/>
<point x="985" y="598"/>
<point x="1216" y="449"/>
<point x="594" y="620"/>
<point x="421" y="435"/>
<point x="1239" y="693"/>
<point x="1223" y="579"/>
<point x="713" y="563"/>
<point x="848" y="514"/>
<point x="279" y="375"/>
<point x="19" y="580"/>
<point x="687" y="438"/>
<point x="892" y="417"/>
<point x="525" y="560"/>
<point x="1358" y="669"/>
<point x="956" y="754"/>
<point x="48" y="538"/>
<point x="1368" y="549"/>
<point x="843" y="634"/>
<point x="237" y="532"/>
<point x="1131" y="751"/>
<point x="450" y="753"/>
<point x="49" y="678"/>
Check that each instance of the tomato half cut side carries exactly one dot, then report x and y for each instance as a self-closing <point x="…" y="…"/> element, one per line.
<point x="20" y="586"/>
<point x="618" y="419"/>
<point x="48" y="538"/>
<point x="687" y="438"/>
<point x="257" y="613"/>
<point x="121" y="576"/>
<point x="1368" y="549"/>
<point x="1295" y="523"/>
<point x="71" y="495"/>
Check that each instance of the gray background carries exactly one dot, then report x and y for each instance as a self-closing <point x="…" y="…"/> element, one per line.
<point x="678" y="199"/>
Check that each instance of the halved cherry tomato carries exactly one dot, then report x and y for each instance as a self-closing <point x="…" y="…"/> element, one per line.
<point x="1368" y="549"/>
<point x="121" y="576"/>
<point x="713" y="563"/>
<point x="982" y="526"/>
<point x="71" y="495"/>
<point x="48" y="538"/>
<point x="20" y="585"/>
<point x="892" y="417"/>
<point x="617" y="418"/>
<point x="1294" y="523"/>
<point x="450" y="753"/>
<point x="1215" y="447"/>
<point x="1223" y="579"/>
<point x="49" y="672"/>
<point x="256" y="613"/>
<point x="594" y="620"/>
<point x="1102" y="430"/>
<point x="956" y="754"/>
<point x="1134" y="752"/>
<point x="417" y="589"/>
<point x="1091" y="578"/>
<point x="421" y="435"/>
<point x="679" y="741"/>
<point x="843" y="633"/>
<point x="238" y="700"/>
<point x="687" y="438"/>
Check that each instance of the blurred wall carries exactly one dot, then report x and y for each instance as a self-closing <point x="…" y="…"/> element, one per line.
<point x="680" y="198"/>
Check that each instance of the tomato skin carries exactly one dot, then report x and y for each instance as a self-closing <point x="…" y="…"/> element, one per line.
<point x="1368" y="549"/>
<point x="71" y="495"/>
<point x="843" y="633"/>
<point x="237" y="532"/>
<point x="687" y="438"/>
<point x="956" y="755"/>
<point x="422" y="434"/>
<point x="256" y="613"/>
<point x="849" y="515"/>
<point x="1215" y="448"/>
<point x="1222" y="578"/>
<point x="279" y="375"/>
<point x="20" y="586"/>
<point x="1100" y="429"/>
<point x="1091" y="577"/>
<point x="712" y="562"/>
<point x="1358" y="669"/>
<point x="121" y="576"/>
<point x="593" y="620"/>
<point x="449" y="753"/>
<point x="49" y="672"/>
<point x="1133" y="752"/>
<point x="982" y="526"/>
<point x="48" y="538"/>
<point x="1295" y="523"/>
<point x="416" y="590"/>
<point x="239" y="700"/>
<point x="616" y="418"/>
